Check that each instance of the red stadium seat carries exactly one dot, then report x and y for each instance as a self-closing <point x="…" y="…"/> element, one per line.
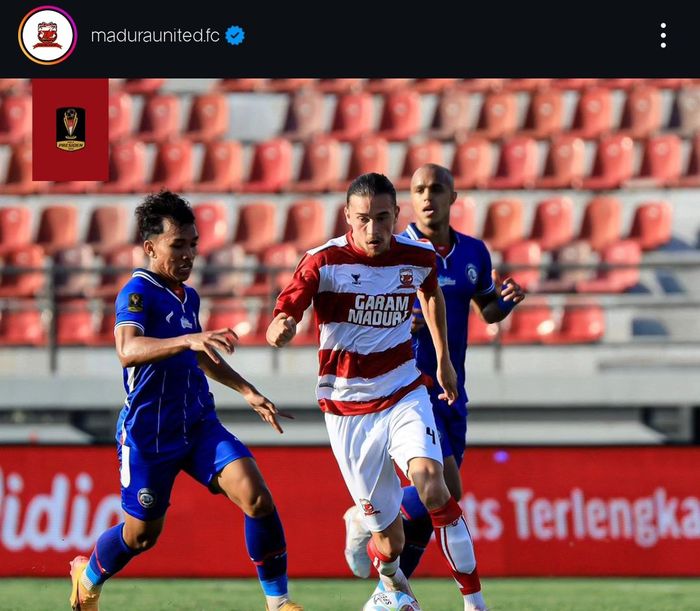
<point x="463" y="215"/>
<point x="269" y="282"/>
<point x="686" y="111"/>
<point x="104" y="334"/>
<point x="620" y="83"/>
<point x="241" y="84"/>
<point x="499" y="115"/>
<point x="517" y="166"/>
<point x="641" y="116"/>
<point x="120" y="115"/>
<point x="526" y="252"/>
<point x="552" y="226"/>
<point x="338" y="85"/>
<point x="526" y="84"/>
<point x="222" y="168"/>
<point x="691" y="176"/>
<point x="74" y="324"/>
<point x="340" y="227"/>
<point x="58" y="228"/>
<point x="482" y="85"/>
<point x="208" y="118"/>
<point x="472" y="163"/>
<point x="529" y="323"/>
<point x="127" y="168"/>
<point x="305" y="226"/>
<point x="418" y="154"/>
<point x="74" y="186"/>
<point x="580" y="324"/>
<point x="305" y="115"/>
<point x="353" y="116"/>
<point x="15" y="119"/>
<point x="625" y="252"/>
<point x="74" y="283"/>
<point x="652" y="225"/>
<point x="401" y="115"/>
<point x="212" y="224"/>
<point x="369" y="154"/>
<point x="10" y="84"/>
<point x="288" y="85"/>
<point x="160" y="118"/>
<point x="479" y="331"/>
<point x="257" y="226"/>
<point x="565" y="166"/>
<point x="232" y="314"/>
<point x="142" y="85"/>
<point x="433" y="85"/>
<point x="18" y="180"/>
<point x="593" y="116"/>
<point x="575" y="84"/>
<point x="23" y="284"/>
<point x="271" y="170"/>
<point x="173" y="166"/>
<point x="225" y="282"/>
<point x="614" y="163"/>
<point x="387" y="85"/>
<point x="406" y="216"/>
<point x="15" y="227"/>
<point x="661" y="162"/>
<point x="451" y="115"/>
<point x="504" y="223"/>
<point x="320" y="166"/>
<point x="22" y="326"/>
<point x="601" y="223"/>
<point x="119" y="264"/>
<point x="576" y="253"/>
<point x="545" y="115"/>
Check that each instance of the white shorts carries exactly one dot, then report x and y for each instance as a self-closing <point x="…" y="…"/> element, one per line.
<point x="367" y="446"/>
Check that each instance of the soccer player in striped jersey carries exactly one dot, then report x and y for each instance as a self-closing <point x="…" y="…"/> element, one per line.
<point x="377" y="409"/>
<point x="168" y="423"/>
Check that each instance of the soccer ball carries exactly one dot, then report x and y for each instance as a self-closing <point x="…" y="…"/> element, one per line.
<point x="391" y="601"/>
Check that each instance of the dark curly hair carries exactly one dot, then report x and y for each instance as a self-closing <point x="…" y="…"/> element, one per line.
<point x="158" y="206"/>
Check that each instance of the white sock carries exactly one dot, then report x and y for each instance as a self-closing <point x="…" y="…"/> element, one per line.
<point x="275" y="602"/>
<point x="87" y="584"/>
<point x="474" y="601"/>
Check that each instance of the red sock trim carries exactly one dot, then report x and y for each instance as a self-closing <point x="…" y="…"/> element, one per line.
<point x="373" y="553"/>
<point x="445" y="515"/>
<point x="469" y="583"/>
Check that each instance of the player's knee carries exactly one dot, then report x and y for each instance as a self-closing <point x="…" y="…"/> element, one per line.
<point x="259" y="504"/>
<point x="433" y="492"/>
<point x="141" y="541"/>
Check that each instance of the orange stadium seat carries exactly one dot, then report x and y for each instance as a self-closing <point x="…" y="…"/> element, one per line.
<point x="15" y="118"/>
<point x="271" y="168"/>
<point x="417" y="154"/>
<point x="504" y="223"/>
<point x="406" y="216"/>
<point x="104" y="334"/>
<point x="614" y="163"/>
<point x="225" y="282"/>
<point x="601" y="223"/>
<point x="576" y="253"/>
<point x="305" y="225"/>
<point x="208" y="118"/>
<point x="160" y="118"/>
<point x="74" y="283"/>
<point x="212" y="224"/>
<point x="24" y="284"/>
<point x="320" y="166"/>
<point x="661" y="162"/>
<point x="18" y="180"/>
<point x="353" y="116"/>
<point x="284" y="258"/>
<point x="142" y="85"/>
<point x="222" y="168"/>
<point x="288" y="85"/>
<point x="241" y="84"/>
<point x="624" y="252"/>
<point x="593" y="115"/>
<point x="526" y="252"/>
<point x="387" y="85"/>
<point x="463" y="215"/>
<point x="119" y="263"/>
<point x="58" y="228"/>
<point x="691" y="175"/>
<point x="479" y="331"/>
<point x="545" y="114"/>
<point x="565" y="165"/>
<point x="338" y="85"/>
<point x="529" y="323"/>
<point x="369" y="154"/>
<point x="517" y="165"/>
<point x="472" y="163"/>
<point x="652" y="225"/>
<point x="306" y="115"/>
<point x="257" y="226"/>
<point x="74" y="325"/>
<point x="499" y="115"/>
<point x="172" y="167"/>
<point x="120" y="115"/>
<point x="15" y="227"/>
<point x="641" y="115"/>
<point x="127" y="168"/>
<point x="553" y="223"/>
<point x="580" y="324"/>
<point x="451" y="116"/>
<point x="22" y="326"/>
<point x="685" y="116"/>
<point x="401" y="115"/>
<point x="433" y="85"/>
<point x="232" y="314"/>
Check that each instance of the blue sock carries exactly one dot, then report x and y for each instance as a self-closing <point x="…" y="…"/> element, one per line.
<point x="267" y="549"/>
<point x="417" y="528"/>
<point x="111" y="555"/>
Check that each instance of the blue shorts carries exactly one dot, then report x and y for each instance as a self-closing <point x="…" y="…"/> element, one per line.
<point x="147" y="479"/>
<point x="451" y="423"/>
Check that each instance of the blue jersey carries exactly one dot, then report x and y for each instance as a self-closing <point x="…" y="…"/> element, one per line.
<point x="165" y="399"/>
<point x="463" y="273"/>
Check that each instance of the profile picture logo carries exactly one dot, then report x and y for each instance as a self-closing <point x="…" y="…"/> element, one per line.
<point x="47" y="35"/>
<point x="70" y="129"/>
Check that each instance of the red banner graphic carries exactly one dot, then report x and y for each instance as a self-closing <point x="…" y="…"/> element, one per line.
<point x="531" y="511"/>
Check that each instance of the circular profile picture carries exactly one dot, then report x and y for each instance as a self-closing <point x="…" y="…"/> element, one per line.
<point x="47" y="35"/>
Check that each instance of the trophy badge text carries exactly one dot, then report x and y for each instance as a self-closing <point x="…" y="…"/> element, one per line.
<point x="70" y="128"/>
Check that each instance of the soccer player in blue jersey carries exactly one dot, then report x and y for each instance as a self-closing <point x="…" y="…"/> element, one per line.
<point x="168" y="423"/>
<point x="465" y="275"/>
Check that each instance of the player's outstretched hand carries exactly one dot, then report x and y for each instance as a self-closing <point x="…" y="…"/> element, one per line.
<point x="281" y="330"/>
<point x="447" y="378"/>
<point x="508" y="289"/>
<point x="210" y="341"/>
<point x="266" y="410"/>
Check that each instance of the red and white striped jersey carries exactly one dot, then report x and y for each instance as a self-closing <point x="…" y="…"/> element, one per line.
<point x="363" y="310"/>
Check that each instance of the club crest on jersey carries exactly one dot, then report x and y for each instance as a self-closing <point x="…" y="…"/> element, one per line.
<point x="472" y="273"/>
<point x="135" y="302"/>
<point x="368" y="508"/>
<point x="186" y="324"/>
<point x="406" y="277"/>
<point x="147" y="498"/>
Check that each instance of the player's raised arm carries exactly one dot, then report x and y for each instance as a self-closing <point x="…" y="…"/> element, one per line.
<point x="498" y="303"/>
